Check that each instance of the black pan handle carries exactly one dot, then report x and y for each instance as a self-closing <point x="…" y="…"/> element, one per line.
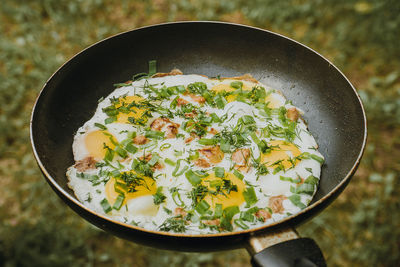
<point x="284" y="248"/>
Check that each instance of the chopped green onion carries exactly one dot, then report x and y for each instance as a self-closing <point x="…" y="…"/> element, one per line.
<point x="250" y="196"/>
<point x="154" y="134"/>
<point x="165" y="146"/>
<point x="154" y="159"/>
<point x="159" y="197"/>
<point x="219" y="101"/>
<point x="110" y="119"/>
<point x="218" y="210"/>
<point x="311" y="180"/>
<point x="152" y="67"/>
<point x="193" y="178"/>
<point x="317" y="158"/>
<point x="207" y="142"/>
<point x="101" y="126"/>
<point x="120" y="151"/>
<point x="238" y="174"/>
<point x="219" y="172"/>
<point x="202" y="207"/>
<point x="169" y="162"/>
<point x="296" y="200"/>
<point x="303" y="188"/>
<point x="118" y="202"/>
<point x="290" y="179"/>
<point x="225" y="146"/>
<point x="178" y="165"/>
<point x="131" y="148"/>
<point x="105" y="205"/>
<point x="247" y="119"/>
<point x="237" y="85"/>
<point x="214" y="117"/>
<point x="241" y="224"/>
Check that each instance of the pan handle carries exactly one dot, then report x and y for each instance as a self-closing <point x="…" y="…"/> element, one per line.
<point x="284" y="248"/>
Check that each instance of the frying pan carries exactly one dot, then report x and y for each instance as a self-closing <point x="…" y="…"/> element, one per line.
<point x="332" y="107"/>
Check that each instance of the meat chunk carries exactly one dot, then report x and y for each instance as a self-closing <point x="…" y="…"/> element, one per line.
<point x="241" y="156"/>
<point x="171" y="73"/>
<point x="213" y="154"/>
<point x="213" y="131"/>
<point x="293" y="114"/>
<point x="140" y="140"/>
<point x="180" y="211"/>
<point x="158" y="123"/>
<point x="189" y="139"/>
<point x="202" y="163"/>
<point x="147" y="158"/>
<point x="263" y="215"/>
<point x="197" y="98"/>
<point x="181" y="102"/>
<point x="171" y="130"/>
<point x="85" y="164"/>
<point x="275" y="203"/>
<point x="214" y="222"/>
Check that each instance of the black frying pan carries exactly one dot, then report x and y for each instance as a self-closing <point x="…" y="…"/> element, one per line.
<point x="332" y="108"/>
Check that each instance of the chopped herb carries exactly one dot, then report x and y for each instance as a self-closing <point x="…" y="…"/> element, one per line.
<point x="202" y="207"/>
<point x="296" y="200"/>
<point x="250" y="196"/>
<point x="193" y="178"/>
<point x="219" y="172"/>
<point x="311" y="180"/>
<point x="175" y="224"/>
<point x="154" y="134"/>
<point x="105" y="205"/>
<point x="118" y="202"/>
<point x="159" y="197"/>
<point x="101" y="126"/>
<point x="317" y="158"/>
<point x="152" y="67"/>
<point x="238" y="174"/>
<point x="290" y="179"/>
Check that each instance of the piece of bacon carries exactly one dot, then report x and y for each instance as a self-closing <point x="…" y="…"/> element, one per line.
<point x="214" y="154"/>
<point x="140" y="140"/>
<point x="214" y="222"/>
<point x="85" y="164"/>
<point x="181" y="102"/>
<point x="293" y="114"/>
<point x="202" y="163"/>
<point x="275" y="203"/>
<point x="263" y="215"/>
<point x="180" y="211"/>
<point x="241" y="156"/>
<point x="197" y="98"/>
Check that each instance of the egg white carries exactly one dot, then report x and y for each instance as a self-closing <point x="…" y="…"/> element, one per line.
<point x="141" y="210"/>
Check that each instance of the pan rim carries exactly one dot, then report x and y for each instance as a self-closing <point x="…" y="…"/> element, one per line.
<point x="284" y="221"/>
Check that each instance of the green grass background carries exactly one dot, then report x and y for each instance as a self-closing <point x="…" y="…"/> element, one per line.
<point x="361" y="228"/>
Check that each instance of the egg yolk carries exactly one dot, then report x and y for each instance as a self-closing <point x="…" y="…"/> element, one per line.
<point x="148" y="187"/>
<point x="283" y="151"/>
<point x="94" y="142"/>
<point x="232" y="199"/>
<point x="228" y="88"/>
<point x="273" y="102"/>
<point x="135" y="112"/>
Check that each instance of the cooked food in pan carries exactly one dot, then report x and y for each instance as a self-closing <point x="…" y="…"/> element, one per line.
<point x="196" y="155"/>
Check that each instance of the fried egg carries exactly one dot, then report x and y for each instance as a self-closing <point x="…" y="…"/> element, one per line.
<point x="195" y="155"/>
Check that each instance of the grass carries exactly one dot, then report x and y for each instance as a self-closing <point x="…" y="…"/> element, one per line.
<point x="361" y="37"/>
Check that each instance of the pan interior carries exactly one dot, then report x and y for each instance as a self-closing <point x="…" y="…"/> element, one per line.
<point x="332" y="109"/>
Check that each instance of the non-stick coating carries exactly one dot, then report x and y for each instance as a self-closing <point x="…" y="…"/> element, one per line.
<point x="332" y="108"/>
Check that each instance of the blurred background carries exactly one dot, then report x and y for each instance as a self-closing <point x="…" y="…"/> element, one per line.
<point x="362" y="38"/>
